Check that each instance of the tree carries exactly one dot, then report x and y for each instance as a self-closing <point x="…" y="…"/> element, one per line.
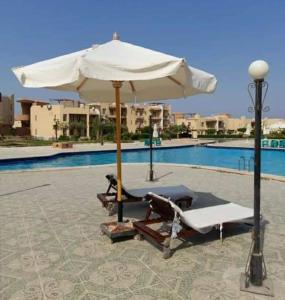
<point x="63" y="126"/>
<point x="242" y="130"/>
<point x="96" y="129"/>
<point x="56" y="127"/>
<point x="211" y="131"/>
<point x="76" y="127"/>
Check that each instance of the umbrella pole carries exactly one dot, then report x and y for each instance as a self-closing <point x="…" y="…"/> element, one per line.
<point x="117" y="85"/>
<point x="150" y="148"/>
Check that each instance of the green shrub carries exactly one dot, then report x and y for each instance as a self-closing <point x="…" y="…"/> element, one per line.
<point x="74" y="138"/>
<point x="211" y="131"/>
<point x="242" y="130"/>
<point x="63" y="138"/>
<point x="276" y="135"/>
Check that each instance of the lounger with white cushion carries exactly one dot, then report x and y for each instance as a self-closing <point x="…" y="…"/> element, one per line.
<point x="187" y="223"/>
<point x="204" y="219"/>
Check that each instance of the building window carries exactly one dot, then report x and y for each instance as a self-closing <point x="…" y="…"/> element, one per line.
<point x="103" y="111"/>
<point x="64" y="117"/>
<point x="36" y="118"/>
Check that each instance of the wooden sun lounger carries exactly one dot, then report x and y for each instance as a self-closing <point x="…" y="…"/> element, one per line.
<point x="190" y="221"/>
<point x="180" y="194"/>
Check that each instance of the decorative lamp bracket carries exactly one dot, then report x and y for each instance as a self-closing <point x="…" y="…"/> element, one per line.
<point x="251" y="88"/>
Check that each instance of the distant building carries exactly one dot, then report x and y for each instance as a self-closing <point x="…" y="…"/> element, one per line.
<point x="23" y="120"/>
<point x="71" y="116"/>
<point x="222" y="123"/>
<point x="6" y="113"/>
<point x="136" y="116"/>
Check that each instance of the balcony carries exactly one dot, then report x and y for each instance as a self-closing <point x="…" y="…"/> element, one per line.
<point x="156" y="117"/>
<point x="155" y="107"/>
<point x="23" y="117"/>
<point x="113" y="105"/>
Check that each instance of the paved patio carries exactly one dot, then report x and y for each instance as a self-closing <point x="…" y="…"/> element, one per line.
<point x="51" y="246"/>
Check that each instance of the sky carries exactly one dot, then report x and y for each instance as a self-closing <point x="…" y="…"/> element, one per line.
<point x="221" y="37"/>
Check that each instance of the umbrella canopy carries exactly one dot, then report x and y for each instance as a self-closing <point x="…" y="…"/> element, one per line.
<point x="145" y="74"/>
<point x="133" y="72"/>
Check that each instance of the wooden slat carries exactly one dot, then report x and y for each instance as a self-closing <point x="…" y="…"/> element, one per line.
<point x="81" y="84"/>
<point x="175" y="81"/>
<point x="132" y="86"/>
<point x="147" y="231"/>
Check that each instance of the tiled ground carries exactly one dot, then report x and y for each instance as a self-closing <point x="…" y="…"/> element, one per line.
<point x="51" y="246"/>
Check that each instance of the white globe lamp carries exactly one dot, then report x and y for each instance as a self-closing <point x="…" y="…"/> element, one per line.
<point x="258" y="69"/>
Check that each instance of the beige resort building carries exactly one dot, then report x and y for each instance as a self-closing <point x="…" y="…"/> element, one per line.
<point x="224" y="122"/>
<point x="40" y="116"/>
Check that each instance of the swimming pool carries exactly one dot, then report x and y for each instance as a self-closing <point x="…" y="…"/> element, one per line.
<point x="273" y="161"/>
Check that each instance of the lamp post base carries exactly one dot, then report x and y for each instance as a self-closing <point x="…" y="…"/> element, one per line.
<point x="265" y="289"/>
<point x="118" y="230"/>
<point x="151" y="176"/>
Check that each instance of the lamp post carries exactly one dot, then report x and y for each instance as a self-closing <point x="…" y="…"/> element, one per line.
<point x="151" y="177"/>
<point x="254" y="279"/>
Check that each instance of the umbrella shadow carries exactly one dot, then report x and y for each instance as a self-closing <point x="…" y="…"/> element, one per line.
<point x="137" y="210"/>
<point x="164" y="175"/>
<point x="207" y="200"/>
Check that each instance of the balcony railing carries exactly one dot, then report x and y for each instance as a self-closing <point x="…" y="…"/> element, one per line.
<point x="156" y="117"/>
<point x="155" y="107"/>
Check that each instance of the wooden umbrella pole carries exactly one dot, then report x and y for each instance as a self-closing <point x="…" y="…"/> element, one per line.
<point x="117" y="85"/>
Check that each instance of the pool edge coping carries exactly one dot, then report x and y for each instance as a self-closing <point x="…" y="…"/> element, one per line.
<point x="209" y="168"/>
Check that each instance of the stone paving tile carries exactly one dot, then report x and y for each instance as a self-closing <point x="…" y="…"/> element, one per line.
<point x="51" y="246"/>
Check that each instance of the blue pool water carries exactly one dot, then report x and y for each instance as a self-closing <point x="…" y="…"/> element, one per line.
<point x="273" y="161"/>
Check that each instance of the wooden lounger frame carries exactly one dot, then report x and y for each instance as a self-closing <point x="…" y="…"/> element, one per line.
<point x="162" y="238"/>
<point x="109" y="198"/>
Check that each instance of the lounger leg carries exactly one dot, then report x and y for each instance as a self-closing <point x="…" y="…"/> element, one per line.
<point x="111" y="208"/>
<point x="221" y="232"/>
<point x="166" y="250"/>
<point x="148" y="213"/>
<point x="139" y="237"/>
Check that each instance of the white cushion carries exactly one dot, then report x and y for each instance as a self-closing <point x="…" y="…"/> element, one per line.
<point x="203" y="219"/>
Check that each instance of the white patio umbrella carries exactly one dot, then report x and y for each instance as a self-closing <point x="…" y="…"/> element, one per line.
<point x="248" y="129"/>
<point x="133" y="72"/>
<point x="266" y="130"/>
<point x="155" y="131"/>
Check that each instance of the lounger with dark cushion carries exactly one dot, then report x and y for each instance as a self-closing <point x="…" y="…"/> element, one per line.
<point x="187" y="223"/>
<point x="180" y="194"/>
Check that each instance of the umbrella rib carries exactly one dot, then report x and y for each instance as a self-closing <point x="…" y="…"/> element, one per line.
<point x="132" y="86"/>
<point x="81" y="84"/>
<point x="175" y="81"/>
